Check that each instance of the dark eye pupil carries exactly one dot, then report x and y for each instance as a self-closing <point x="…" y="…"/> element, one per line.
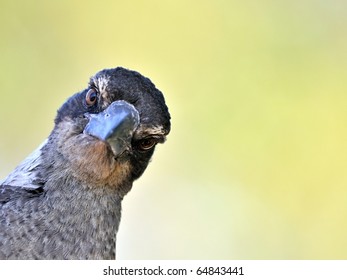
<point x="92" y="97"/>
<point x="147" y="143"/>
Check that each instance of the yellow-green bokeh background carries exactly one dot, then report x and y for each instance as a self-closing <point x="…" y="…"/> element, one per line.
<point x="255" y="166"/>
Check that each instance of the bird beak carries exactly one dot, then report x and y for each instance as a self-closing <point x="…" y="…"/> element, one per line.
<point x="115" y="125"/>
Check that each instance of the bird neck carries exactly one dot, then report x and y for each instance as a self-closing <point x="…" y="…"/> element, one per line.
<point x="86" y="215"/>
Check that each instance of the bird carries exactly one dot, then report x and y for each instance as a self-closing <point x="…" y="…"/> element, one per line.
<point x="64" y="200"/>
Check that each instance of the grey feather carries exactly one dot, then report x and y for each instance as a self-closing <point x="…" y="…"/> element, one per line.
<point x="24" y="174"/>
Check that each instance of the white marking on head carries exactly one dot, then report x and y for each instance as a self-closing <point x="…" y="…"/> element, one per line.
<point x="150" y="130"/>
<point x="102" y="83"/>
<point x="158" y="129"/>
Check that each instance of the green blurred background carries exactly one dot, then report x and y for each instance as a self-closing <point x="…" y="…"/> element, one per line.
<point x="255" y="165"/>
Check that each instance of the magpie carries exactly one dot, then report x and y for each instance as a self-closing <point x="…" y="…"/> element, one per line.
<point x="64" y="200"/>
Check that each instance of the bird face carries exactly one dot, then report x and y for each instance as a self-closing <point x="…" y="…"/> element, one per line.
<point x="106" y="134"/>
<point x="64" y="200"/>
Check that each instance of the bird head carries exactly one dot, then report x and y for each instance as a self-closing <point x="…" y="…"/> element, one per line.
<point x="106" y="134"/>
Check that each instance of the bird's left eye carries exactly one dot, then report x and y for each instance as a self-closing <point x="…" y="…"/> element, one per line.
<point x="91" y="97"/>
<point x="146" y="144"/>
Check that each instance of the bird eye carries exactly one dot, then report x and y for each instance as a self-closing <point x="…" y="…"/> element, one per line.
<point x="91" y="97"/>
<point x="146" y="144"/>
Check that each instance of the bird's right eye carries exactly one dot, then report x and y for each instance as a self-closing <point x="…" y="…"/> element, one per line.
<point x="91" y="97"/>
